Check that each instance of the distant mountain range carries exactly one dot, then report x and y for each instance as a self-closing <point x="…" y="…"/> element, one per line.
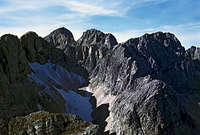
<point x="55" y="85"/>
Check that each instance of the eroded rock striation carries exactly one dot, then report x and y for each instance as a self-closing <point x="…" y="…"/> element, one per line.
<point x="148" y="85"/>
<point x="92" y="46"/>
<point x="149" y="82"/>
<point x="153" y="84"/>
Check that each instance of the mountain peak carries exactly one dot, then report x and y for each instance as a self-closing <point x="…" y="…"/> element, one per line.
<point x="62" y="30"/>
<point x="31" y="33"/>
<point x="158" y="40"/>
<point x="60" y="38"/>
<point x="93" y="31"/>
<point x="93" y="36"/>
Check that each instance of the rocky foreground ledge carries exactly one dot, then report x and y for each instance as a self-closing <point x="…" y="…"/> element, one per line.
<point x="44" y="123"/>
<point x="148" y="85"/>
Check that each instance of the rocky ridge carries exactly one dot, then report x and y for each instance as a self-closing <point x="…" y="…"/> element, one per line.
<point x="154" y="76"/>
<point x="150" y="84"/>
<point x="92" y="46"/>
<point x="153" y="84"/>
<point x="19" y="95"/>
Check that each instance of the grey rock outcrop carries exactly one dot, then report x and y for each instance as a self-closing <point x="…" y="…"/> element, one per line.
<point x="13" y="82"/>
<point x="61" y="38"/>
<point x="14" y="64"/>
<point x="36" y="49"/>
<point x="39" y="50"/>
<point x="154" y="85"/>
<point x="149" y="85"/>
<point x="18" y="95"/>
<point x="44" y="123"/>
<point x="92" y="46"/>
<point x="97" y="38"/>
<point x="193" y="53"/>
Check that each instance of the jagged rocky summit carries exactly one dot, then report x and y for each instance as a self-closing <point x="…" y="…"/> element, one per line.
<point x="61" y="38"/>
<point x="92" y="46"/>
<point x="148" y="85"/>
<point x="193" y="53"/>
<point x="153" y="84"/>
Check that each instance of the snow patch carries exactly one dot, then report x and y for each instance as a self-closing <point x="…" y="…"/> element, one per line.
<point x="77" y="104"/>
<point x="52" y="74"/>
<point x="55" y="77"/>
<point x="103" y="99"/>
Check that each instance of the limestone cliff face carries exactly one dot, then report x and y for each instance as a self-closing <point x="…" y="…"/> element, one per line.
<point x="150" y="83"/>
<point x="193" y="53"/>
<point x="92" y="46"/>
<point x="147" y="85"/>
<point x="153" y="84"/>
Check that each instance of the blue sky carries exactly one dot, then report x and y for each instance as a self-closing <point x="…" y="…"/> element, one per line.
<point x="124" y="18"/>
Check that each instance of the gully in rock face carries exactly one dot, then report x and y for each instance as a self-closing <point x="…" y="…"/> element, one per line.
<point x="148" y="85"/>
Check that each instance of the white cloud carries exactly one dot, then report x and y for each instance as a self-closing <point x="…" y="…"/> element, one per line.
<point x="87" y="7"/>
<point x="76" y="17"/>
<point x="77" y="20"/>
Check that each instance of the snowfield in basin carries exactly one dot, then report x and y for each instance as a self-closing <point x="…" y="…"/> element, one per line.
<point x="54" y="76"/>
<point x="77" y="104"/>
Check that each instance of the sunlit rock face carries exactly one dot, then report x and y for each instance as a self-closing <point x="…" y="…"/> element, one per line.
<point x="153" y="84"/>
<point x="193" y="53"/>
<point x="145" y="86"/>
<point x="145" y="82"/>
